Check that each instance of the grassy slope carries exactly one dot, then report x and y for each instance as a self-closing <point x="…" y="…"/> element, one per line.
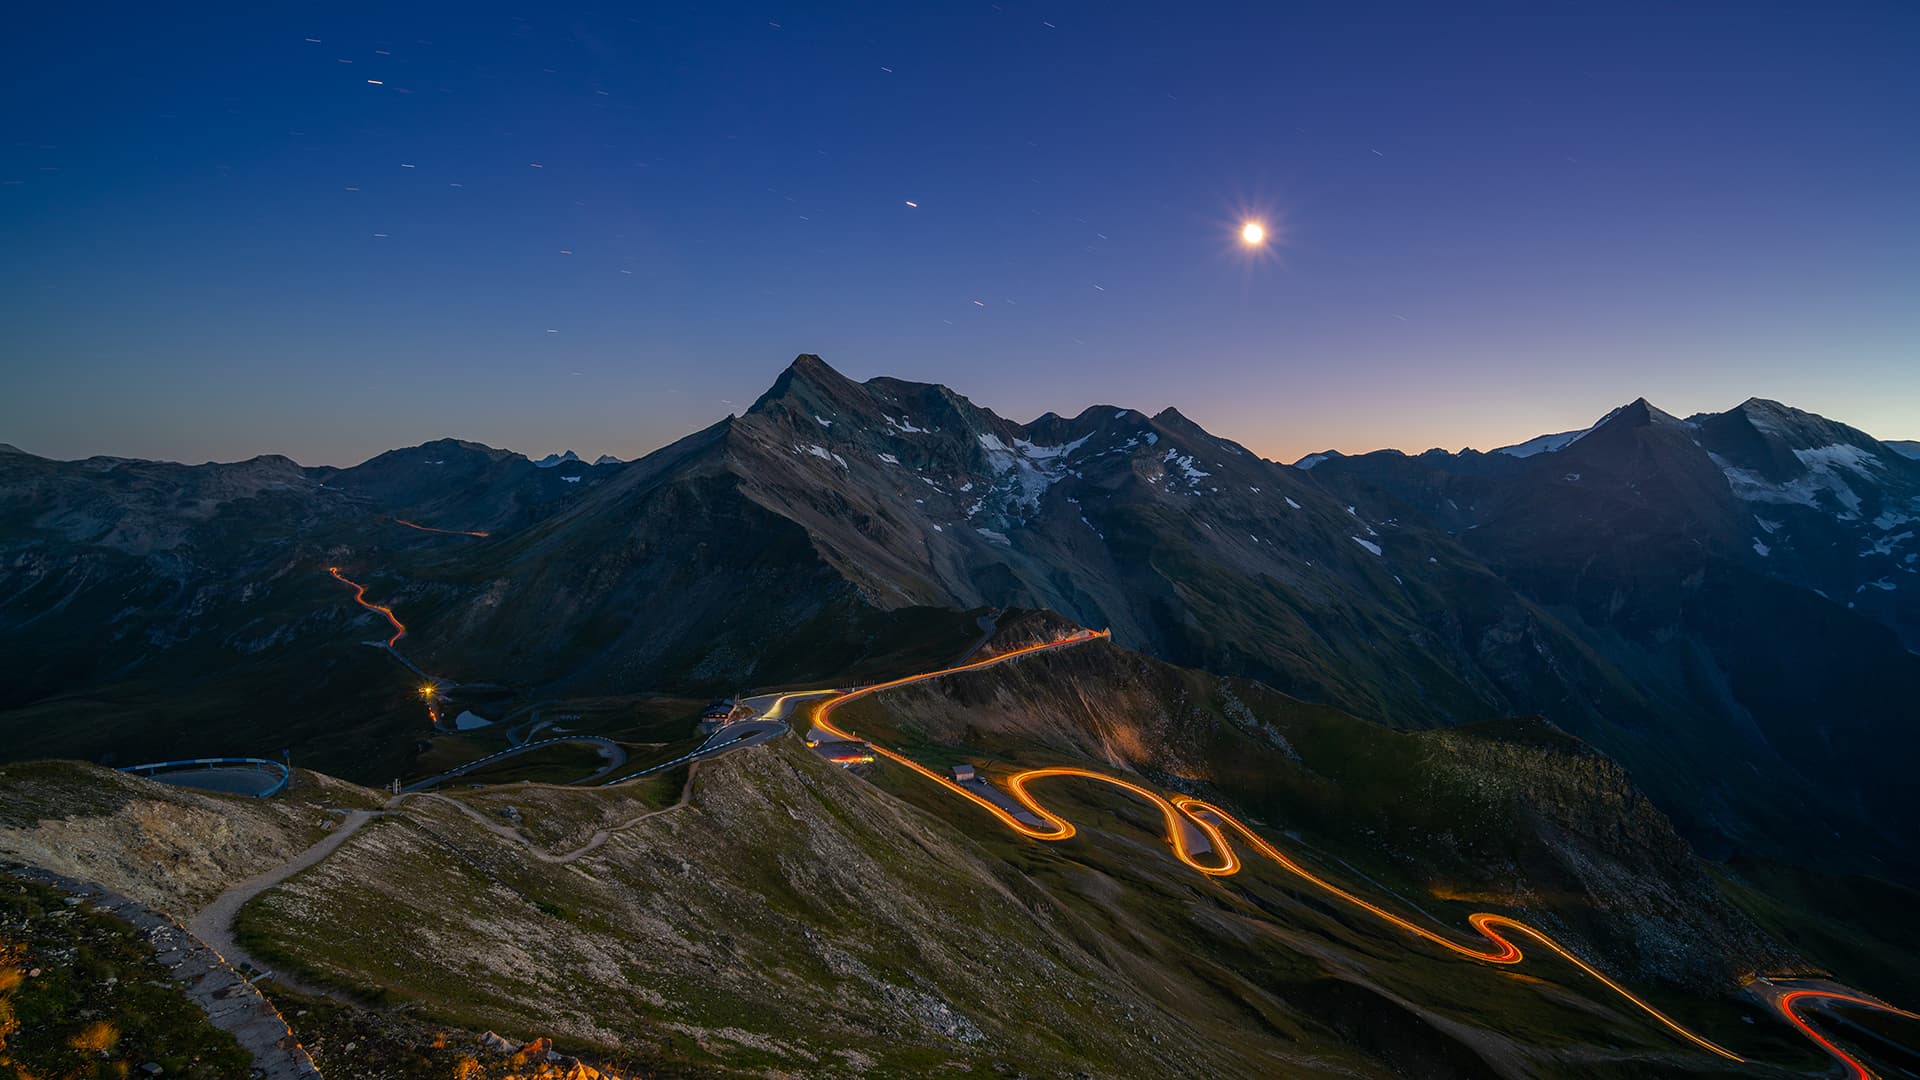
<point x="792" y="916"/>
<point x="798" y="916"/>
<point x="81" y="996"/>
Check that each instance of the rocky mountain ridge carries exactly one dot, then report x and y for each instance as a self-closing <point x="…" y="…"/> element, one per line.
<point x="1609" y="582"/>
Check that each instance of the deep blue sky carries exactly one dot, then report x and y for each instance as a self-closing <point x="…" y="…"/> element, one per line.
<point x="219" y="238"/>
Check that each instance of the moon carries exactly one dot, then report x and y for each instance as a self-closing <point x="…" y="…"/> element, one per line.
<point x="1253" y="234"/>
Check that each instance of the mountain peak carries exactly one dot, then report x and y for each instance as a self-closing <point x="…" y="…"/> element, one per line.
<point x="810" y="366"/>
<point x="1637" y="413"/>
<point x="809" y="378"/>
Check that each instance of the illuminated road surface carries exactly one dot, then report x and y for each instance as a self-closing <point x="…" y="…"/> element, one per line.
<point x="1184" y="814"/>
<point x="443" y="532"/>
<point x="360" y="597"/>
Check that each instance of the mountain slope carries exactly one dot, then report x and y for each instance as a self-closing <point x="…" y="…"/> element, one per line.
<point x="1778" y="705"/>
<point x="801" y="917"/>
<point x="1608" y="582"/>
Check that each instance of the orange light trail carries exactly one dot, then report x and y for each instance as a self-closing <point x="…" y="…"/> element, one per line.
<point x="360" y="597"/>
<point x="443" y="532"/>
<point x="1210" y="820"/>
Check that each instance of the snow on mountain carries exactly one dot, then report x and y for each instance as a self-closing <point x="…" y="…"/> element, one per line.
<point x="1543" y="444"/>
<point x="1023" y="471"/>
<point x="551" y="460"/>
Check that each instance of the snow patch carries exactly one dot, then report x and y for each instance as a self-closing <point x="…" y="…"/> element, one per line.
<point x="1885" y="545"/>
<point x="1761" y="549"/>
<point x="1823" y="465"/>
<point x="1185" y="463"/>
<point x="1544" y="444"/>
<point x="469" y="720"/>
<point x="1310" y="461"/>
<point x="1841" y="455"/>
<point x="1024" y="471"/>
<point x="889" y="459"/>
<point x="823" y="421"/>
<point x="1368" y="544"/>
<point x="996" y="537"/>
<point x="1291" y="503"/>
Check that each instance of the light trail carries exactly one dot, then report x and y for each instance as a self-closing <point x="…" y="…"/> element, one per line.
<point x="1210" y="820"/>
<point x="1786" y="1002"/>
<point x="443" y="532"/>
<point x="360" y="597"/>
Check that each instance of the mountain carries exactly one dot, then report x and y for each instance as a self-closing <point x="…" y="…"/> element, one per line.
<point x="1743" y="569"/>
<point x="551" y="460"/>
<point x="816" y="918"/>
<point x="1608" y="582"/>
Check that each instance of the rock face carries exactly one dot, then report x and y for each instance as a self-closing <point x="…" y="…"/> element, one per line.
<point x="1652" y="585"/>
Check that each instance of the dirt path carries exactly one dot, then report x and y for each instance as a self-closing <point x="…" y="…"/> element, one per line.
<point x="232" y="1004"/>
<point x="214" y="923"/>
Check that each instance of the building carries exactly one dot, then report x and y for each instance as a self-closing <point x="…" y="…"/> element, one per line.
<point x="963" y="774"/>
<point x="719" y="714"/>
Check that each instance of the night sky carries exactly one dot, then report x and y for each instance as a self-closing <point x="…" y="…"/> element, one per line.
<point x="328" y="236"/>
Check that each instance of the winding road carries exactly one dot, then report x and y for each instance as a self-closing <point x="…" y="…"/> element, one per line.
<point x="360" y="597"/>
<point x="1188" y="819"/>
<point x="1197" y="832"/>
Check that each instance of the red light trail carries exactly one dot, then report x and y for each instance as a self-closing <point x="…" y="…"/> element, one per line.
<point x="443" y="532"/>
<point x="1786" y="1002"/>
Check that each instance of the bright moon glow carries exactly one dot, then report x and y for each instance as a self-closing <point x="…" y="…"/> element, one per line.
<point x="1253" y="234"/>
